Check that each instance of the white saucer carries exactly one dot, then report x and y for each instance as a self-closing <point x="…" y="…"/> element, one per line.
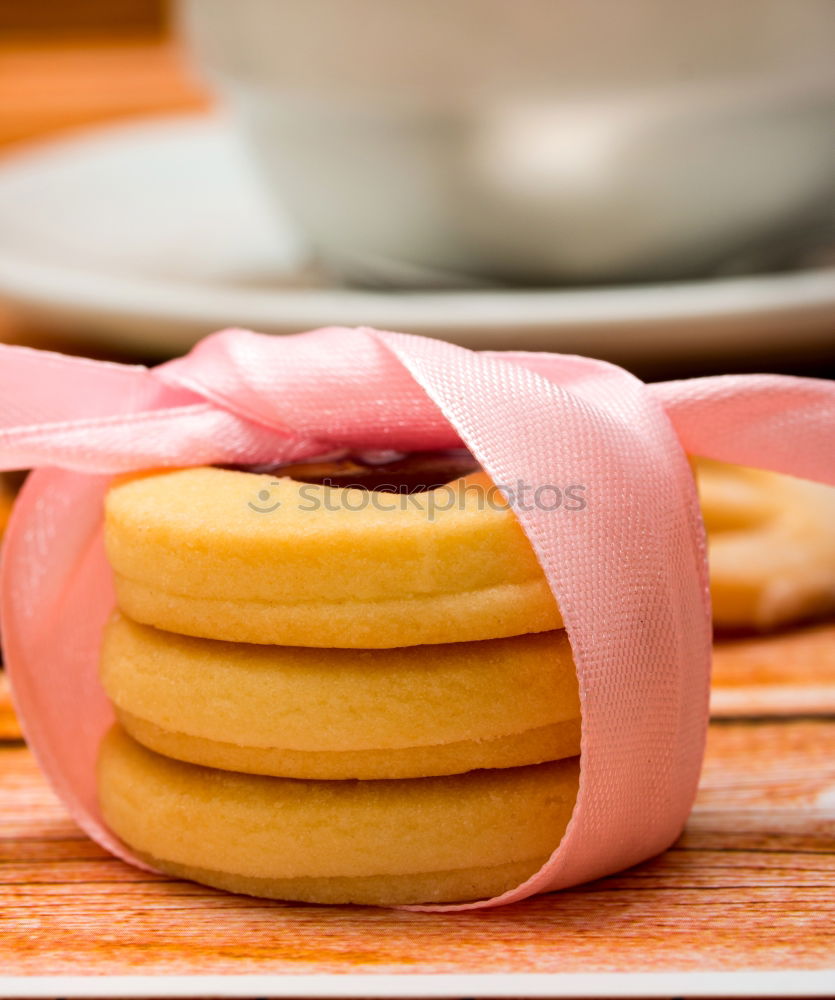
<point x="152" y="235"/>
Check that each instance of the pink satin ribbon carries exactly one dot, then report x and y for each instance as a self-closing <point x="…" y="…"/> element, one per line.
<point x="628" y="571"/>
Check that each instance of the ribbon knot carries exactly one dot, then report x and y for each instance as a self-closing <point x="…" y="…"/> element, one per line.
<point x="235" y="397"/>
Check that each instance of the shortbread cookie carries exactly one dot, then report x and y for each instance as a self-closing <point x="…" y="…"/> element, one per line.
<point x="300" y="712"/>
<point x="223" y="554"/>
<point x="771" y="541"/>
<point x="444" y="839"/>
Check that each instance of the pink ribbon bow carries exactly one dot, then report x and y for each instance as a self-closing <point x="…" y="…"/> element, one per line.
<point x="628" y="571"/>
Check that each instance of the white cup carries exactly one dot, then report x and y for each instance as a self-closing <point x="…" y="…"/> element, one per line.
<point x="534" y="141"/>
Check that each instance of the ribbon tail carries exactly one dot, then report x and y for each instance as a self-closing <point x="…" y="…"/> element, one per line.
<point x="43" y="387"/>
<point x="777" y="422"/>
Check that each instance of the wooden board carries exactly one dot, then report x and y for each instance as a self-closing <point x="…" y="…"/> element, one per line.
<point x="790" y="673"/>
<point x="749" y="885"/>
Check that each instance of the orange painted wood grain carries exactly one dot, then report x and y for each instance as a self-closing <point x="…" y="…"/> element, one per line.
<point x="9" y="726"/>
<point x="788" y="673"/>
<point x="750" y="884"/>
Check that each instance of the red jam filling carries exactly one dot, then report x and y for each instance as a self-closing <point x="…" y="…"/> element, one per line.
<point x="389" y="472"/>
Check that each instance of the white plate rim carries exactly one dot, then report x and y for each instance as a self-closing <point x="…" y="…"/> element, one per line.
<point x="115" y="302"/>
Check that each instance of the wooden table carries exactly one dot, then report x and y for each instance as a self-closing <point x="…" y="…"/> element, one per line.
<point x="749" y="886"/>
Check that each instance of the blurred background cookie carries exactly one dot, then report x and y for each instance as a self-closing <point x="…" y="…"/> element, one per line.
<point x="771" y="546"/>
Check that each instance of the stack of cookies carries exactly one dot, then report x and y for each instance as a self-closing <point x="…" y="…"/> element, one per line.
<point x="332" y="692"/>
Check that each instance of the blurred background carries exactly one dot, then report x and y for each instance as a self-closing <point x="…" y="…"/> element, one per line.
<point x="645" y="182"/>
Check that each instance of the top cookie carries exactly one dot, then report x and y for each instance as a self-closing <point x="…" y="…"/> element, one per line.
<point x="264" y="558"/>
